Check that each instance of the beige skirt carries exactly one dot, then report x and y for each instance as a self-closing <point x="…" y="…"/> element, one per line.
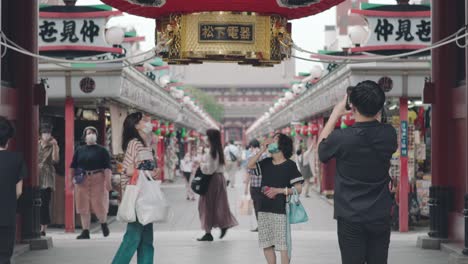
<point x="272" y="231"/>
<point x="92" y="196"/>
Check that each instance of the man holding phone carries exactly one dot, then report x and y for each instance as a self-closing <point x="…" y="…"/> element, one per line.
<point x="362" y="196"/>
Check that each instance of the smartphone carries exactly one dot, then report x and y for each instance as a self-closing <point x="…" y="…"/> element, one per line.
<point x="348" y="92"/>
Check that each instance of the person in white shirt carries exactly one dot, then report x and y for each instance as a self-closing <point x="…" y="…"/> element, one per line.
<point x="232" y="155"/>
<point x="186" y="167"/>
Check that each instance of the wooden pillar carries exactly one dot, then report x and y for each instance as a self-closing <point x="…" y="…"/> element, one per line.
<point x="24" y="72"/>
<point x="404" y="184"/>
<point x="69" y="150"/>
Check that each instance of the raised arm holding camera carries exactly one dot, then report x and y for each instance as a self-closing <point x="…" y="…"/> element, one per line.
<point x="362" y="153"/>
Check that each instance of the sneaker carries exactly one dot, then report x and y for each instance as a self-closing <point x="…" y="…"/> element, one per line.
<point x="105" y="229"/>
<point x="207" y="237"/>
<point x="84" y="235"/>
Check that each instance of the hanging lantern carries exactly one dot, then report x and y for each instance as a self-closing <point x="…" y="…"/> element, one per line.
<point x="183" y="134"/>
<point x="155" y="125"/>
<point x="294" y="132"/>
<point x="338" y="123"/>
<point x="348" y="119"/>
<point x="171" y="128"/>
<point x="305" y="130"/>
<point x="164" y="130"/>
<point x="298" y="128"/>
<point x="193" y="133"/>
<point x="314" y="128"/>
<point x="287" y="130"/>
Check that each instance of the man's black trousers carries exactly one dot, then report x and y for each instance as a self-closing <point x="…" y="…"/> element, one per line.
<point x="364" y="242"/>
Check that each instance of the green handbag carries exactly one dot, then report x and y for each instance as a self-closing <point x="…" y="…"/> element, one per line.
<point x="297" y="212"/>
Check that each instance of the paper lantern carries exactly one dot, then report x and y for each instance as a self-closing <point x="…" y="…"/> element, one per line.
<point x="171" y="128"/>
<point x="305" y="130"/>
<point x="164" y="130"/>
<point x="155" y="125"/>
<point x="298" y="129"/>
<point x="348" y="119"/>
<point x="314" y="128"/>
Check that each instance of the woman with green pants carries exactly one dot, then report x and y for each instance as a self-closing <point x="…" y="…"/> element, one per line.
<point x="138" y="155"/>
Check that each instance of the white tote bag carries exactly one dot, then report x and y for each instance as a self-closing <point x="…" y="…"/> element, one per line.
<point x="151" y="205"/>
<point x="127" y="208"/>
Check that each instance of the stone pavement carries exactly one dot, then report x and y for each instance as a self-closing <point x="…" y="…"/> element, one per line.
<point x="313" y="242"/>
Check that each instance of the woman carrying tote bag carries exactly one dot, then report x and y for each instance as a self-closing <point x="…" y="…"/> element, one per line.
<point x="138" y="155"/>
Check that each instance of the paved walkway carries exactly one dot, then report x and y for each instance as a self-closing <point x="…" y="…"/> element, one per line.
<point x="313" y="242"/>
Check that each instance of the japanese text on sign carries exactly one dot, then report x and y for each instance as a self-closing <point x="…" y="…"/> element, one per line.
<point x="400" y="30"/>
<point x="71" y="32"/>
<point x="226" y="32"/>
<point x="404" y="138"/>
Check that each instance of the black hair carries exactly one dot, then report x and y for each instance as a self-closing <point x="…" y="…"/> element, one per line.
<point x="231" y="142"/>
<point x="6" y="131"/>
<point x="254" y="144"/>
<point x="368" y="98"/>
<point x="46" y="128"/>
<point x="129" y="130"/>
<point x="285" y="145"/>
<point x="216" y="147"/>
<point x="299" y="151"/>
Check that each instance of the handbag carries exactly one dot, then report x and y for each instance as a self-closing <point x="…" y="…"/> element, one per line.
<point x="79" y="176"/>
<point x="246" y="206"/>
<point x="200" y="182"/>
<point x="127" y="210"/>
<point x="297" y="213"/>
<point x="151" y="204"/>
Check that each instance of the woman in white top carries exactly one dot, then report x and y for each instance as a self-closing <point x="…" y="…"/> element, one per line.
<point x="186" y="167"/>
<point x="213" y="206"/>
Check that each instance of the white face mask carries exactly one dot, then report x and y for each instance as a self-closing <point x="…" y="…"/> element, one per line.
<point x="91" y="138"/>
<point x="147" y="128"/>
<point x="45" y="136"/>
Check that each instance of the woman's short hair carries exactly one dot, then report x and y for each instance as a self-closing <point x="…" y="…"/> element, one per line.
<point x="285" y="144"/>
<point x="6" y="131"/>
<point x="89" y="128"/>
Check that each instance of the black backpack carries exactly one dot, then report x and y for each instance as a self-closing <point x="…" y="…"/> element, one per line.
<point x="200" y="182"/>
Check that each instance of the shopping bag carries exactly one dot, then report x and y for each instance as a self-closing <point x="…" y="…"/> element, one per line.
<point x="246" y="206"/>
<point x="151" y="204"/>
<point x="127" y="210"/>
<point x="297" y="212"/>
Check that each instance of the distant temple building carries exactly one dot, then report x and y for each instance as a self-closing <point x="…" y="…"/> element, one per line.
<point x="246" y="92"/>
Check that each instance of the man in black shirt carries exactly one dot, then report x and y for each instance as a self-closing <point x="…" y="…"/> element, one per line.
<point x="12" y="173"/>
<point x="362" y="195"/>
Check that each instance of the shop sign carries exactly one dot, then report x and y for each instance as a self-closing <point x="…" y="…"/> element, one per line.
<point x="404" y="138"/>
<point x="399" y="31"/>
<point x="73" y="31"/>
<point x="209" y="32"/>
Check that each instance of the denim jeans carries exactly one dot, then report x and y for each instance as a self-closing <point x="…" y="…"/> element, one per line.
<point x="138" y="238"/>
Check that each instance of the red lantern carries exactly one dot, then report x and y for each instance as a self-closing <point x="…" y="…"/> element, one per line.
<point x="298" y="129"/>
<point x="163" y="130"/>
<point x="171" y="128"/>
<point x="314" y="129"/>
<point x="338" y="123"/>
<point x="155" y="125"/>
<point x="193" y="133"/>
<point x="305" y="130"/>
<point x="348" y="119"/>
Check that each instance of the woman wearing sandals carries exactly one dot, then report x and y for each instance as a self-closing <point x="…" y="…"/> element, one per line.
<point x="279" y="176"/>
<point x="138" y="156"/>
<point x="213" y="207"/>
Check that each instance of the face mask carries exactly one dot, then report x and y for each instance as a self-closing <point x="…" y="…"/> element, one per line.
<point x="148" y="128"/>
<point x="273" y="148"/>
<point x="91" y="138"/>
<point x="45" y="137"/>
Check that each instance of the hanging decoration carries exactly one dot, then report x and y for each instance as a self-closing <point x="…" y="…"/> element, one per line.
<point x="314" y="128"/>
<point x="305" y="130"/>
<point x="164" y="130"/>
<point x="155" y="125"/>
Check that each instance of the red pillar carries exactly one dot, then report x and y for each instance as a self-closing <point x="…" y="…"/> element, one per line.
<point x="69" y="150"/>
<point x="24" y="72"/>
<point x="161" y="151"/>
<point x="404" y="184"/>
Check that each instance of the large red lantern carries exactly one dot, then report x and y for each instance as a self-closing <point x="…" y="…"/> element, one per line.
<point x="155" y="125"/>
